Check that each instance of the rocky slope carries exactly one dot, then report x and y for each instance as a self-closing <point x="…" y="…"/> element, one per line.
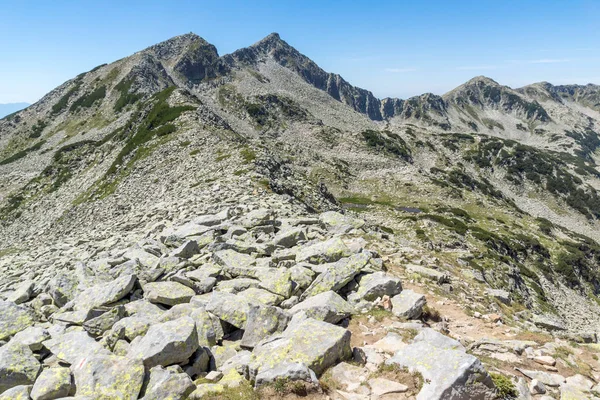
<point x="116" y="178"/>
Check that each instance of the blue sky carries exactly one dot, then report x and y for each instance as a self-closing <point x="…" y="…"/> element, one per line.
<point x="393" y="48"/>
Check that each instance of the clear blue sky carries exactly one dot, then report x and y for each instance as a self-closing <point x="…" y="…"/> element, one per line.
<point x="393" y="48"/>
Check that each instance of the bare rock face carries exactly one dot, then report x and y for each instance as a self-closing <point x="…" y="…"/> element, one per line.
<point x="166" y="343"/>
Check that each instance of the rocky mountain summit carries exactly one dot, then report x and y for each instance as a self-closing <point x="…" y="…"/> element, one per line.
<point x="180" y="224"/>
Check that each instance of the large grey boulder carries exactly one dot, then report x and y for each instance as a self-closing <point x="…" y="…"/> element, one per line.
<point x="261" y="296"/>
<point x="233" y="262"/>
<point x="166" y="343"/>
<point x="230" y="308"/>
<point x="168" y="384"/>
<point x="317" y="344"/>
<point x="449" y="372"/>
<point x="213" y="219"/>
<point x="337" y="275"/>
<point x="52" y="383"/>
<point x="33" y="337"/>
<point x="276" y="280"/>
<point x="167" y="293"/>
<point x="263" y="321"/>
<point x="339" y="223"/>
<point x="20" y="392"/>
<point x="287" y="372"/>
<point x="109" y="377"/>
<point x="22" y="293"/>
<point x="430" y="273"/>
<point x="328" y="306"/>
<point x="408" y="304"/>
<point x="62" y="288"/>
<point x="550" y="322"/>
<point x="187" y="250"/>
<point x="13" y="319"/>
<point x="104" y="293"/>
<point x="18" y="366"/>
<point x="372" y="286"/>
<point x="71" y="347"/>
<point x="289" y="238"/>
<point x="324" y="252"/>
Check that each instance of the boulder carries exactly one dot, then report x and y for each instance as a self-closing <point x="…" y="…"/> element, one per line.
<point x="33" y="337"/>
<point x="337" y="275"/>
<point x="71" y="347"/>
<point x="408" y="304"/>
<point x="549" y="322"/>
<point x="501" y="295"/>
<point x="372" y="286"/>
<point x="261" y="296"/>
<point x="20" y="392"/>
<point x="276" y="280"/>
<point x="105" y="293"/>
<point x="167" y="293"/>
<point x="109" y="377"/>
<point x="230" y="308"/>
<point x="323" y="252"/>
<point x="339" y="223"/>
<point x="317" y="344"/>
<point x="263" y="321"/>
<point x="166" y="343"/>
<point x="18" y="366"/>
<point x="289" y="238"/>
<point x="22" y="293"/>
<point x="430" y="273"/>
<point x="349" y="377"/>
<point x="187" y="250"/>
<point x="233" y="262"/>
<point x="13" y="319"/>
<point x="287" y="372"/>
<point x="381" y="387"/>
<point x="327" y="306"/>
<point x="431" y="354"/>
<point x="168" y="384"/>
<point x="52" y="384"/>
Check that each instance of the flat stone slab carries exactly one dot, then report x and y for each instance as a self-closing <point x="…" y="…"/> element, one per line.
<point x="18" y="366"/>
<point x="328" y="306"/>
<point x="168" y="293"/>
<point x="449" y="372"/>
<point x="324" y="252"/>
<point x="381" y="386"/>
<point x="104" y="293"/>
<point x="110" y="377"/>
<point x="52" y="383"/>
<point x="337" y="275"/>
<point x="430" y="273"/>
<point x="317" y="344"/>
<point x="71" y="347"/>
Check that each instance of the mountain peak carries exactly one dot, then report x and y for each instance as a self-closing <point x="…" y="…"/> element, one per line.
<point x="177" y="45"/>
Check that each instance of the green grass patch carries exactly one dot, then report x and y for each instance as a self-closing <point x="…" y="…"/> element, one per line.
<point x="23" y="153"/>
<point x="125" y="95"/>
<point x="88" y="100"/>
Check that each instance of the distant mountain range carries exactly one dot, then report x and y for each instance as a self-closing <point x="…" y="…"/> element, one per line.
<point x="9" y="108"/>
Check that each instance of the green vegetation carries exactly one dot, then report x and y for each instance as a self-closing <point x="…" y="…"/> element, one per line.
<point x="248" y="155"/>
<point x="588" y="140"/>
<point x="36" y="130"/>
<point x="88" y="100"/>
<point x="125" y="96"/>
<point x="23" y="153"/>
<point x="64" y="100"/>
<point x="137" y="133"/>
<point x="505" y="388"/>
<point x="388" y="142"/>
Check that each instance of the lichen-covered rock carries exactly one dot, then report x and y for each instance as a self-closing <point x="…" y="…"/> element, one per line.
<point x="408" y="304"/>
<point x="18" y="366"/>
<point x="289" y="238"/>
<point x="104" y="293"/>
<point x="261" y="296"/>
<point x="230" y="308"/>
<point x="339" y="223"/>
<point x="13" y="319"/>
<point x="168" y="384"/>
<point x="109" y="377"/>
<point x="372" y="286"/>
<point x="20" y="392"/>
<point x="33" y="337"/>
<point x="233" y="262"/>
<point x="327" y="306"/>
<point x="263" y="321"/>
<point x="166" y="343"/>
<point x="317" y="344"/>
<point x="97" y="326"/>
<point x="337" y="275"/>
<point x="324" y="252"/>
<point x="275" y="280"/>
<point x="71" y="347"/>
<point x="205" y="389"/>
<point x="448" y="370"/>
<point x="287" y="372"/>
<point x="52" y="384"/>
<point x="167" y="293"/>
<point x="187" y="250"/>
